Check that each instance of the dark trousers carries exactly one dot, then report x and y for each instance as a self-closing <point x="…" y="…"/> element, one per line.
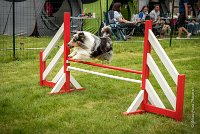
<point x="181" y="20"/>
<point x="129" y="27"/>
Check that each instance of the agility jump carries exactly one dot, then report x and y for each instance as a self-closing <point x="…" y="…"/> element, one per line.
<point x="147" y="99"/>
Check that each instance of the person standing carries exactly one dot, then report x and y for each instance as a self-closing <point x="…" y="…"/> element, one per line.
<point x="183" y="15"/>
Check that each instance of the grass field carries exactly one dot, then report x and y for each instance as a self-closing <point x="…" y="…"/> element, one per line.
<point x="25" y="107"/>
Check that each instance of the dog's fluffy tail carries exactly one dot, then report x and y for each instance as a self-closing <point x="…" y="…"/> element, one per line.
<point x="106" y="32"/>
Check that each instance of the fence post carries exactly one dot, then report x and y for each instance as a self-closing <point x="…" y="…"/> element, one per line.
<point x="13" y="5"/>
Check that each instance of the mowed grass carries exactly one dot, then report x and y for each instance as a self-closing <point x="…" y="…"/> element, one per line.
<point x="26" y="107"/>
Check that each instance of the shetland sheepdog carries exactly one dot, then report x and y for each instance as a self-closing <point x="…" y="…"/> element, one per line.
<point x="87" y="45"/>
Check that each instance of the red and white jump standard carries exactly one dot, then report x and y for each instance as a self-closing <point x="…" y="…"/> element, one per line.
<point x="147" y="99"/>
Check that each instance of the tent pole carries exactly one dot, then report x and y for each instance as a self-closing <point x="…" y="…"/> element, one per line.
<point x="101" y="11"/>
<point x="99" y="29"/>
<point x="172" y="31"/>
<point x="106" y="6"/>
<point x="13" y="3"/>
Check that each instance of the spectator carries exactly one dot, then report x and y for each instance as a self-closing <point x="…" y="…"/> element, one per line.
<point x="119" y="19"/>
<point x="183" y="14"/>
<point x="143" y="13"/>
<point x="140" y="18"/>
<point x="193" y="27"/>
<point x="155" y="14"/>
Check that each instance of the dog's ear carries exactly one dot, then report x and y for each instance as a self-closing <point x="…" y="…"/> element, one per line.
<point x="81" y="36"/>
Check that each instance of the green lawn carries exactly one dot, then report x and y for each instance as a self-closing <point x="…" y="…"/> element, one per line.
<point x="25" y="107"/>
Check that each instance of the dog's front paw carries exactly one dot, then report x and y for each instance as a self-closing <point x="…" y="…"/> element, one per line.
<point x="74" y="57"/>
<point x="80" y="57"/>
<point x="70" y="56"/>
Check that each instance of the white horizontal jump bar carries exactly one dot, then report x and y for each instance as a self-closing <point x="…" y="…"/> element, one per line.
<point x="105" y="75"/>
